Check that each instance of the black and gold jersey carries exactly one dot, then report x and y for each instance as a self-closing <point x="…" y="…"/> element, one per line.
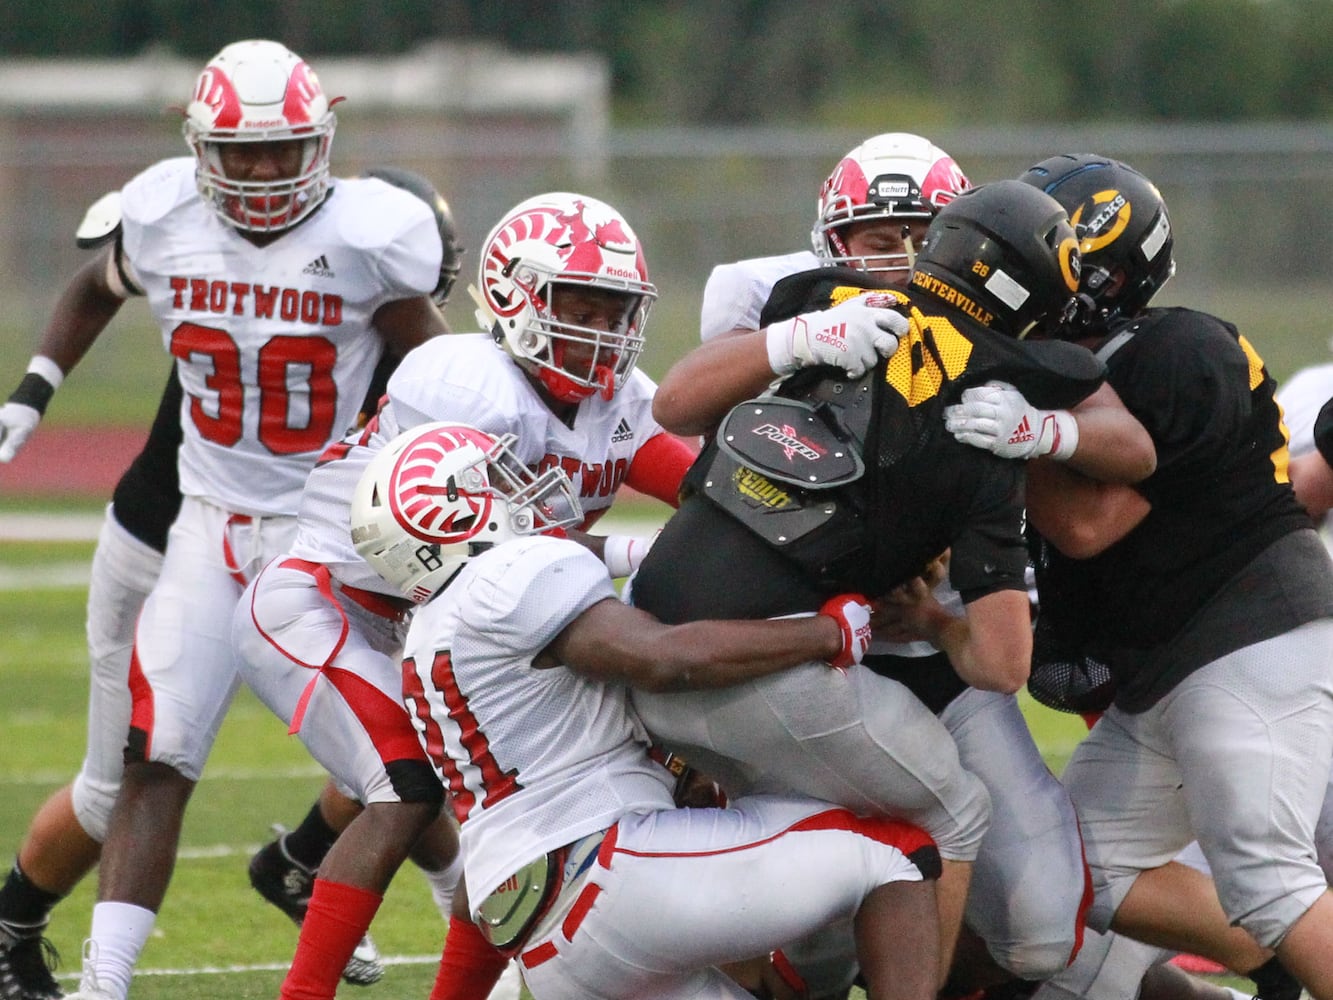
<point x="1185" y="586"/>
<point x="762" y="532"/>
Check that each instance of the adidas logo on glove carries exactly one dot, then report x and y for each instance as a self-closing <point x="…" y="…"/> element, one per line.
<point x="834" y="336"/>
<point x="1022" y="433"/>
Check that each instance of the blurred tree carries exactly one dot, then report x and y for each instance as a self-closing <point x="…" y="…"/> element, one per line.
<point x="1207" y="66"/>
<point x="912" y="63"/>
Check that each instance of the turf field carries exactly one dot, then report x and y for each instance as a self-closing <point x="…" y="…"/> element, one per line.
<point x="215" y="938"/>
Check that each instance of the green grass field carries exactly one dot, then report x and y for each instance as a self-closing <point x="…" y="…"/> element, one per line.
<point x="215" y="938"/>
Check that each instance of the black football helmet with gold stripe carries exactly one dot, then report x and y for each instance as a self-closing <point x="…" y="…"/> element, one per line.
<point x="1123" y="230"/>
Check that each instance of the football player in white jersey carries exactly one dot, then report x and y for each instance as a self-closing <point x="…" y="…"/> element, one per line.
<point x="277" y="291"/>
<point x="1304" y="398"/>
<point x="872" y="210"/>
<point x="1022" y="919"/>
<point x="564" y="293"/>
<point x="1312" y="473"/>
<point x="517" y="667"/>
<point x="64" y="839"/>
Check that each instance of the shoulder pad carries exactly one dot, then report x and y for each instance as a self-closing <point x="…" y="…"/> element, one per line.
<point x="100" y="223"/>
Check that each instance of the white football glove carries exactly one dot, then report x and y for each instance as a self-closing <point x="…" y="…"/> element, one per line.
<point x="996" y="418"/>
<point x="17" y="422"/>
<point x="623" y="553"/>
<point x="852" y="613"/>
<point x="852" y="335"/>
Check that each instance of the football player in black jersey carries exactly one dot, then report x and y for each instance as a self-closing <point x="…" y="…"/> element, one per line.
<point x="839" y="479"/>
<point x="1206" y="593"/>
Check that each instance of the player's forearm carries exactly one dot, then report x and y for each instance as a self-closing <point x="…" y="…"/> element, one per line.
<point x="985" y="655"/>
<point x="709" y="654"/>
<point x="1080" y="516"/>
<point x="1112" y="445"/>
<point x="701" y="387"/>
<point x="81" y="313"/>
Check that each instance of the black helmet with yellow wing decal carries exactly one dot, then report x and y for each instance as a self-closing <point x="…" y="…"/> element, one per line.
<point x="1123" y="231"/>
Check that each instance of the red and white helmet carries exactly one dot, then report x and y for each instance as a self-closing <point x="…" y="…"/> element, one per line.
<point x="896" y="175"/>
<point x="565" y="240"/>
<point x="441" y="493"/>
<point x="259" y="91"/>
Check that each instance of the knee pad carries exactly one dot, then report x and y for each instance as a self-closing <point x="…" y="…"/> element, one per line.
<point x="92" y="801"/>
<point x="1034" y="959"/>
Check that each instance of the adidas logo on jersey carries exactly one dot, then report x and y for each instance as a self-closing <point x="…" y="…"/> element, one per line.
<point x="623" y="432"/>
<point x="1022" y="433"/>
<point x="319" y="267"/>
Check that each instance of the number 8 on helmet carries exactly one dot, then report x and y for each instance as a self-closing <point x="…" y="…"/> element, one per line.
<point x="441" y="493"/>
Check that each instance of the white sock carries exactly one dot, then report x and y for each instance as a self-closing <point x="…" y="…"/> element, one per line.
<point x="443" y="883"/>
<point x="118" y="935"/>
<point x="509" y="985"/>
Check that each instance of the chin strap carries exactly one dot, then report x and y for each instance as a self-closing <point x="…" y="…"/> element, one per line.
<point x="606" y="381"/>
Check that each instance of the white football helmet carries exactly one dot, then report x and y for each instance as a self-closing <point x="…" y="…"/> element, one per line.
<point x="564" y="241"/>
<point x="259" y="91"/>
<point x="439" y="494"/>
<point x="896" y="175"/>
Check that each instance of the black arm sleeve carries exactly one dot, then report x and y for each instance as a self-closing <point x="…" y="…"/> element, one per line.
<point x="147" y="497"/>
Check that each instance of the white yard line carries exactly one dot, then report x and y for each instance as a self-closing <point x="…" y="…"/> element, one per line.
<point x="85" y="527"/>
<point x="56" y="576"/>
<point x="50" y="527"/>
<point x="311" y="770"/>
<point x="225" y="970"/>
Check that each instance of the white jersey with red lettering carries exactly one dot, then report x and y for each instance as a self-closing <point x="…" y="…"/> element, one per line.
<point x="549" y="769"/>
<point x="468" y="378"/>
<point x="735" y="293"/>
<point x="534" y="758"/>
<point x="274" y="343"/>
<point x="293" y="635"/>
<point x="275" y="353"/>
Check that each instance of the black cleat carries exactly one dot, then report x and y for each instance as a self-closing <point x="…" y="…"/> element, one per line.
<point x="26" y="961"/>
<point x="287" y="884"/>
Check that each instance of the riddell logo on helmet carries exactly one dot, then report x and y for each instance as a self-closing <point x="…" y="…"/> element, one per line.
<point x="622" y="272"/>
